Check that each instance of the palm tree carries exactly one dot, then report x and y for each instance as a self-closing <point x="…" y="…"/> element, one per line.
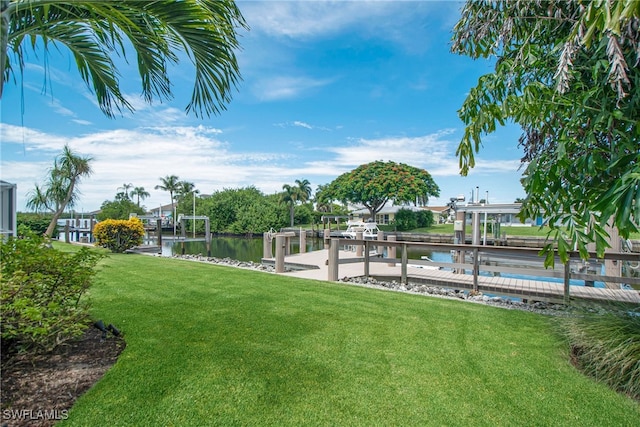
<point x="186" y="188"/>
<point x="95" y="32"/>
<point x="323" y="203"/>
<point x="290" y="196"/>
<point x="171" y="184"/>
<point x="139" y="193"/>
<point x="125" y="190"/>
<point x="60" y="190"/>
<point x="304" y="187"/>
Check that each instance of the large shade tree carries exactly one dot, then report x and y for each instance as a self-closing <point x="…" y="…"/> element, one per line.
<point x="567" y="73"/>
<point x="61" y="188"/>
<point x="97" y="32"/>
<point x="374" y="184"/>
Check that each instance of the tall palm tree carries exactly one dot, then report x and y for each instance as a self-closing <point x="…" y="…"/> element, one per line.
<point x="96" y="31"/>
<point x="290" y="196"/>
<point x="171" y="184"/>
<point x="186" y="188"/>
<point x="139" y="193"/>
<point x="304" y="187"/>
<point x="323" y="202"/>
<point x="125" y="190"/>
<point x="60" y="191"/>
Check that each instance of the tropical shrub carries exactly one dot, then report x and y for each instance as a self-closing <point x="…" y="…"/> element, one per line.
<point x="118" y="235"/>
<point x="37" y="223"/>
<point x="424" y="218"/>
<point x="405" y="219"/>
<point x="118" y="209"/>
<point x="40" y="293"/>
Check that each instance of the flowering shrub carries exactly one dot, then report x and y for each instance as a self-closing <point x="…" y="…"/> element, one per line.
<point x="118" y="235"/>
<point x="40" y="293"/>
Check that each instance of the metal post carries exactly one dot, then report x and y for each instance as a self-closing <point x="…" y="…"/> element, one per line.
<point x="475" y="228"/>
<point x="333" y="259"/>
<point x="194" y="215"/>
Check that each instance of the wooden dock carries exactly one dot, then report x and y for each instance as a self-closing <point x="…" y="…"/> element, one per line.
<point x="315" y="265"/>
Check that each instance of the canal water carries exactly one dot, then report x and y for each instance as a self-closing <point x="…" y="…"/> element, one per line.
<point x="238" y="248"/>
<point x="250" y="249"/>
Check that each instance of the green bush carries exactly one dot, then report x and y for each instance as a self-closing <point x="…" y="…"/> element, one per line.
<point x="405" y="219"/>
<point x="606" y="346"/>
<point x="424" y="218"/>
<point x="37" y="223"/>
<point x="118" y="235"/>
<point x="118" y="209"/>
<point x="40" y="294"/>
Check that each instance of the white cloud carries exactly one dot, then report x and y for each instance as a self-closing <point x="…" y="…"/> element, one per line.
<point x="285" y="87"/>
<point x="198" y="154"/>
<point x="140" y="156"/>
<point x="302" y="124"/>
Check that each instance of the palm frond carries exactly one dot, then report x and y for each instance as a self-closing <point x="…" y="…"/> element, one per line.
<point x="96" y="31"/>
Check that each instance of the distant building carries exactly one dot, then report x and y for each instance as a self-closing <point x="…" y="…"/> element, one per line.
<point x="165" y="212"/>
<point x="385" y="216"/>
<point x="8" y="209"/>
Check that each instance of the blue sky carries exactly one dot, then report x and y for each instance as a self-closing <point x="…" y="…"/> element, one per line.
<point x="327" y="86"/>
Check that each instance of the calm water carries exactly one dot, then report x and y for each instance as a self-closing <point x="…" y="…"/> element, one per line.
<point x="250" y="249"/>
<point x="239" y="248"/>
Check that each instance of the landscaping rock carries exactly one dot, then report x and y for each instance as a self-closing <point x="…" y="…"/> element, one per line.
<point x="470" y="296"/>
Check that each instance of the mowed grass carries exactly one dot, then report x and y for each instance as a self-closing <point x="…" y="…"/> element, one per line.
<point x="212" y="345"/>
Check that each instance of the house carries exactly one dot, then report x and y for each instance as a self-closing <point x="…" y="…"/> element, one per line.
<point x="8" y="209"/>
<point x="165" y="212"/>
<point x="385" y="216"/>
<point x="442" y="214"/>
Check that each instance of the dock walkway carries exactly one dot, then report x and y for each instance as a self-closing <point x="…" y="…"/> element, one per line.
<point x="316" y="267"/>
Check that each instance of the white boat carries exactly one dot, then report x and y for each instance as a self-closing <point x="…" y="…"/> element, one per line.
<point x="425" y="267"/>
<point x="369" y="230"/>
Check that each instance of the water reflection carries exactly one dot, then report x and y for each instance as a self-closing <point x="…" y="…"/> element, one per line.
<point x="239" y="248"/>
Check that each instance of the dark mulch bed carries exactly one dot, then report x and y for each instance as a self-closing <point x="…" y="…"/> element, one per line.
<point x="36" y="390"/>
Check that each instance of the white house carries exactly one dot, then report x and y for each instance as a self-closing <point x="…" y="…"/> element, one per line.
<point x="8" y="209"/>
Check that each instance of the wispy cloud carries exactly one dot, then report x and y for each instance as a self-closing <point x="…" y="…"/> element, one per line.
<point x="285" y="87"/>
<point x="301" y="124"/>
<point x="198" y="154"/>
<point x="389" y="20"/>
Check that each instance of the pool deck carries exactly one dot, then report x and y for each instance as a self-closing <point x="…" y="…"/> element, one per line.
<point x="314" y="265"/>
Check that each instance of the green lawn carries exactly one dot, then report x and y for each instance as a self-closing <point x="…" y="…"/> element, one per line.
<point x="211" y="345"/>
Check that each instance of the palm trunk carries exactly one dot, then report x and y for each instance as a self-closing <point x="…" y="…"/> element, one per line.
<point x="291" y="214"/>
<point x="61" y="208"/>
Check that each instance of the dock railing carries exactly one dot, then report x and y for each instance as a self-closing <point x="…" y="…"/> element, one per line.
<point x="472" y="260"/>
